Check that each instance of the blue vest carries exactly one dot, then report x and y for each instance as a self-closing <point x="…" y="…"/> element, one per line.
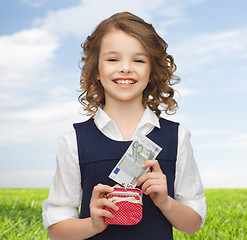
<point x="99" y="154"/>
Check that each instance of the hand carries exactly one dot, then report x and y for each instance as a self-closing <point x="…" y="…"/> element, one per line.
<point x="154" y="183"/>
<point x="97" y="205"/>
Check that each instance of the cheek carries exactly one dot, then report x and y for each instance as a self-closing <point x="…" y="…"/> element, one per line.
<point x="146" y="74"/>
<point x="104" y="71"/>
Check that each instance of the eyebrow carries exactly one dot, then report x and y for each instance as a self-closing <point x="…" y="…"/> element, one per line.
<point x="142" y="54"/>
<point x="136" y="54"/>
<point x="110" y="52"/>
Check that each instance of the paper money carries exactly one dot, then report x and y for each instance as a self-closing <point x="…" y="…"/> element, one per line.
<point x="128" y="169"/>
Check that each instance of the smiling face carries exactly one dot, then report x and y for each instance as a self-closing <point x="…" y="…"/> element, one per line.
<point x="124" y="67"/>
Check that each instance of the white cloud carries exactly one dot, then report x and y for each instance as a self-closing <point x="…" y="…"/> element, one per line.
<point x="27" y="53"/>
<point x="224" y="178"/>
<point x="26" y="178"/>
<point x="48" y="120"/>
<point x="42" y="114"/>
<point x="181" y="92"/>
<point x="32" y="3"/>
<point x="220" y="139"/>
<point x="24" y="55"/>
<point x="194" y="53"/>
<point x="234" y="142"/>
<point x="178" y="117"/>
<point x="210" y="132"/>
<point x="239" y="137"/>
<point x="8" y="100"/>
<point x="80" y="20"/>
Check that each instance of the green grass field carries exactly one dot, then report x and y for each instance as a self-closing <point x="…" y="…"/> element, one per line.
<point x="20" y="215"/>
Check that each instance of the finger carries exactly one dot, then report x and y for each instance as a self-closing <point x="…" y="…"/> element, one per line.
<point x="147" y="176"/>
<point x="153" y="189"/>
<point x="101" y="213"/>
<point x="152" y="163"/>
<point x="104" y="202"/>
<point x="106" y="213"/>
<point x="100" y="190"/>
<point x="101" y="203"/>
<point x="153" y="185"/>
<point x="111" y="205"/>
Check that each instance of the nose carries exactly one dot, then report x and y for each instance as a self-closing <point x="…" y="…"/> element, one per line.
<point x="125" y="67"/>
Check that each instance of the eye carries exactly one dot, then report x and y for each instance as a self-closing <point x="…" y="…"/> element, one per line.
<point x="112" y="60"/>
<point x="139" y="61"/>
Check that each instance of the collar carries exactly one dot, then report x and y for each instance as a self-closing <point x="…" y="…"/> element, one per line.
<point x="101" y="119"/>
<point x="149" y="117"/>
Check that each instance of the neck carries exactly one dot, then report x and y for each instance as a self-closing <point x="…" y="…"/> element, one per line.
<point x="126" y="116"/>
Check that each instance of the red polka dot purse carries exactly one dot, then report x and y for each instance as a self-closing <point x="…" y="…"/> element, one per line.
<point x="129" y="202"/>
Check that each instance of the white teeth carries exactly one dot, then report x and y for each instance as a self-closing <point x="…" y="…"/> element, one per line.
<point x="124" y="82"/>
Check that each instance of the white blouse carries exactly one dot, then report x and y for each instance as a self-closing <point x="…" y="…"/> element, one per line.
<point x="66" y="192"/>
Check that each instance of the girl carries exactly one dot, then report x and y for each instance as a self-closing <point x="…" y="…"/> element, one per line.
<point x="126" y="81"/>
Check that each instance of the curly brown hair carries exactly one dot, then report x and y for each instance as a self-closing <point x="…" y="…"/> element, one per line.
<point x="158" y="95"/>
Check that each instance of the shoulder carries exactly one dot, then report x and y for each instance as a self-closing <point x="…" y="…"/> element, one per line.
<point x="164" y="121"/>
<point x="68" y="140"/>
<point x="83" y="124"/>
<point x="85" y="130"/>
<point x="184" y="142"/>
<point x="183" y="132"/>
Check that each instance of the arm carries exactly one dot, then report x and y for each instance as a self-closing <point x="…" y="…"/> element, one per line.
<point x="60" y="210"/>
<point x="72" y="229"/>
<point x="78" y="229"/>
<point x="188" y="187"/>
<point x="65" y="192"/>
<point x="181" y="216"/>
<point x="187" y="212"/>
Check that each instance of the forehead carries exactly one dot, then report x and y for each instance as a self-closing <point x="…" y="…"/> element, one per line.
<point x="117" y="40"/>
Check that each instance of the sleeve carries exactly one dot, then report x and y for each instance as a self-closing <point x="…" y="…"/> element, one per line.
<point x="188" y="186"/>
<point x="65" y="191"/>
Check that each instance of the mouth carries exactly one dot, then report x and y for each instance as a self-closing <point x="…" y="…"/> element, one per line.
<point x="124" y="81"/>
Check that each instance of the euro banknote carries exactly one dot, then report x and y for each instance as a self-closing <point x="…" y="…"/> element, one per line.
<point x="129" y="168"/>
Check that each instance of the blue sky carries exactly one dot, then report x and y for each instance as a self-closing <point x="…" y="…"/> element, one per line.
<point x="39" y="55"/>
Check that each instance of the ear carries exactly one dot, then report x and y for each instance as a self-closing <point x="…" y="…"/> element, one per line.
<point x="97" y="77"/>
